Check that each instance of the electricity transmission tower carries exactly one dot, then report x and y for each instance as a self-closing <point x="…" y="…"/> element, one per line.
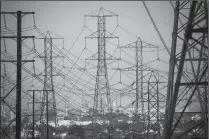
<point x="188" y="89"/>
<point x="155" y="99"/>
<point x="102" y="97"/>
<point x="137" y="46"/>
<point x="151" y="98"/>
<point x="102" y="81"/>
<point x="48" y="107"/>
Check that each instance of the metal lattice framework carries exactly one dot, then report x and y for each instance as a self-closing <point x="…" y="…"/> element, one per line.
<point x="139" y="72"/>
<point x="187" y="90"/>
<point x="150" y="87"/>
<point x="154" y="100"/>
<point x="48" y="98"/>
<point x="102" y="82"/>
<point x="48" y="77"/>
<point x="102" y="97"/>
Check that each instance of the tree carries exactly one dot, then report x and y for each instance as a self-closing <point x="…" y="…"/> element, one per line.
<point x="78" y="131"/>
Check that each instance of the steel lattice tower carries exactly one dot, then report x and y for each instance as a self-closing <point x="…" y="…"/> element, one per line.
<point x="148" y="96"/>
<point x="48" y="80"/>
<point x="102" y="90"/>
<point x="189" y="86"/>
<point x="102" y="81"/>
<point x="139" y="73"/>
<point x="154" y="101"/>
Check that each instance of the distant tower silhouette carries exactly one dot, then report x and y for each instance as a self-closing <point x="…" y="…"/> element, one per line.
<point x="48" y="81"/>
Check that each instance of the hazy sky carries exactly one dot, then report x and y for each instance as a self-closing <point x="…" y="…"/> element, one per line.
<point x="67" y="19"/>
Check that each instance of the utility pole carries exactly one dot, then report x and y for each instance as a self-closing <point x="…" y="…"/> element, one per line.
<point x="19" y="15"/>
<point x="33" y="114"/>
<point x="148" y="115"/>
<point x="47" y="135"/>
<point x="19" y="75"/>
<point x="0" y="80"/>
<point x="47" y="114"/>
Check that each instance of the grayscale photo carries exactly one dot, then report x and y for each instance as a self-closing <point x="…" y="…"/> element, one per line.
<point x="104" y="69"/>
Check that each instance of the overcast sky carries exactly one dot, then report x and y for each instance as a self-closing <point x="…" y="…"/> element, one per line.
<point x="66" y="19"/>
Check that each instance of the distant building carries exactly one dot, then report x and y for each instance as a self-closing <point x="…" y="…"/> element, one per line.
<point x="61" y="115"/>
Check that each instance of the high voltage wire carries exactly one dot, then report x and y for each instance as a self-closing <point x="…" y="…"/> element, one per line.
<point x="10" y="78"/>
<point x="84" y="72"/>
<point x="73" y="63"/>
